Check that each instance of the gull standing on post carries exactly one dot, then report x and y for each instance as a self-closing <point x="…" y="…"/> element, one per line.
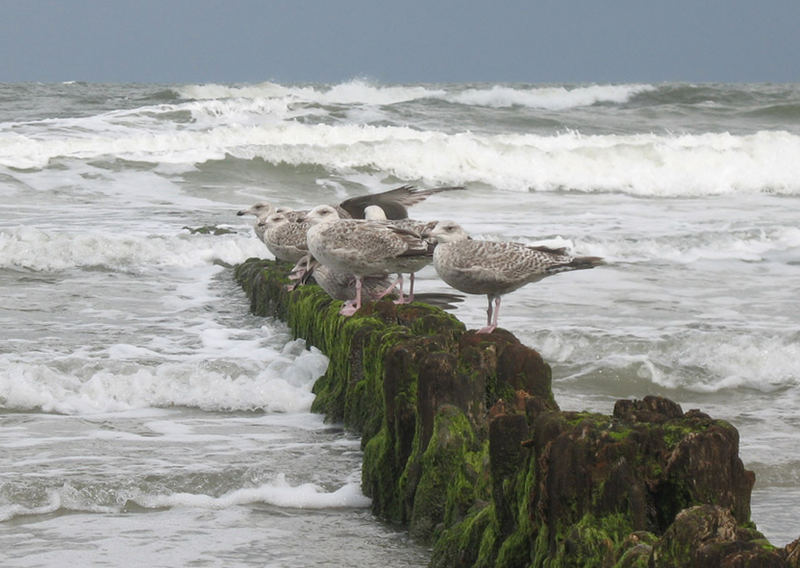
<point x="495" y="268"/>
<point x="284" y="237"/>
<point x="361" y="248"/>
<point x="411" y="265"/>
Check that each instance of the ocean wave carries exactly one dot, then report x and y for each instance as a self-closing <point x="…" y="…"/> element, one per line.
<point x="126" y="383"/>
<point x="52" y="504"/>
<point x="106" y="500"/>
<point x="552" y="98"/>
<point x="357" y="91"/>
<point x="31" y="248"/>
<point x="277" y="492"/>
<point x="691" y="360"/>
<point x="746" y="361"/>
<point x="638" y="164"/>
<point x="643" y="165"/>
<point x="363" y="92"/>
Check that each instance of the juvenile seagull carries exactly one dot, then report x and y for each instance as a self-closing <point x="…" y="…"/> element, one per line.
<point x="361" y="248"/>
<point x="495" y="268"/>
<point x="285" y="238"/>
<point x="411" y="266"/>
<point x="263" y="211"/>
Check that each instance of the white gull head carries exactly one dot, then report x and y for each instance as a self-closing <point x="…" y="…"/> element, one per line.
<point x="263" y="209"/>
<point x="322" y="214"/>
<point x="272" y="220"/>
<point x="447" y="232"/>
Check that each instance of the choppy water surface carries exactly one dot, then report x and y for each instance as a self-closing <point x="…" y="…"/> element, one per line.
<point x="147" y="418"/>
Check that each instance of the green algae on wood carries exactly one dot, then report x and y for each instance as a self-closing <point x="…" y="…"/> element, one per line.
<point x="464" y="443"/>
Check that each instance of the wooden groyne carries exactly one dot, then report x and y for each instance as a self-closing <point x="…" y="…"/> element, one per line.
<point x="464" y="444"/>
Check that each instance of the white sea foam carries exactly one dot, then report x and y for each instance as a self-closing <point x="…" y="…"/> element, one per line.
<point x="645" y="165"/>
<point x="752" y="361"/>
<point x="217" y="91"/>
<point x="46" y="250"/>
<point x="363" y="92"/>
<point x="554" y="98"/>
<point x="697" y="362"/>
<point x="281" y="384"/>
<point x="640" y="164"/>
<point x="277" y="492"/>
<point x="357" y="91"/>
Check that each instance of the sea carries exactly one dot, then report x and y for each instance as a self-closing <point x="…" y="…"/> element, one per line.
<point x="148" y="419"/>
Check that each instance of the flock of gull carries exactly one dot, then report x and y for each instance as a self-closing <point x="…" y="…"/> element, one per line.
<point x="351" y="250"/>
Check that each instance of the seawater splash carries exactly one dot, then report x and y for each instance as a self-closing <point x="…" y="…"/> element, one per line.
<point x="363" y="92"/>
<point x="47" y="250"/>
<point x="357" y="91"/>
<point x="329" y="126"/>
<point x="73" y="385"/>
<point x="554" y="98"/>
<point x="110" y="500"/>
<point x="647" y="165"/>
<point x="277" y="492"/>
<point x="691" y="361"/>
<point x="643" y="165"/>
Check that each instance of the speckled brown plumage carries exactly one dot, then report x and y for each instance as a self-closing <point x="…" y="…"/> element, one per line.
<point x="495" y="268"/>
<point x="363" y="248"/>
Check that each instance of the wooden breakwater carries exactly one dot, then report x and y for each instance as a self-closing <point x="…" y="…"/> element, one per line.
<point x="464" y="443"/>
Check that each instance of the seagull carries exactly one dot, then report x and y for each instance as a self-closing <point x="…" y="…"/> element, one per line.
<point x="263" y="209"/>
<point x="375" y="213"/>
<point x="495" y="268"/>
<point x="362" y="248"/>
<point x="284" y="237"/>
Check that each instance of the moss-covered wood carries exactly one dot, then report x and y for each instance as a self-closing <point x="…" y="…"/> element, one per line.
<point x="464" y="443"/>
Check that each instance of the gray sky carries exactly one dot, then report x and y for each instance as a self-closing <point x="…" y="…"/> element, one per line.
<point x="534" y="41"/>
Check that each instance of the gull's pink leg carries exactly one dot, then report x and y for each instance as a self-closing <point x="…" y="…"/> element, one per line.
<point x="400" y="298"/>
<point x="410" y="297"/>
<point x="395" y="284"/>
<point x="349" y="309"/>
<point x="491" y="321"/>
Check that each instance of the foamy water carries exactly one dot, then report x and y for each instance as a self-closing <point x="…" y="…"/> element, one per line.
<point x="144" y="409"/>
